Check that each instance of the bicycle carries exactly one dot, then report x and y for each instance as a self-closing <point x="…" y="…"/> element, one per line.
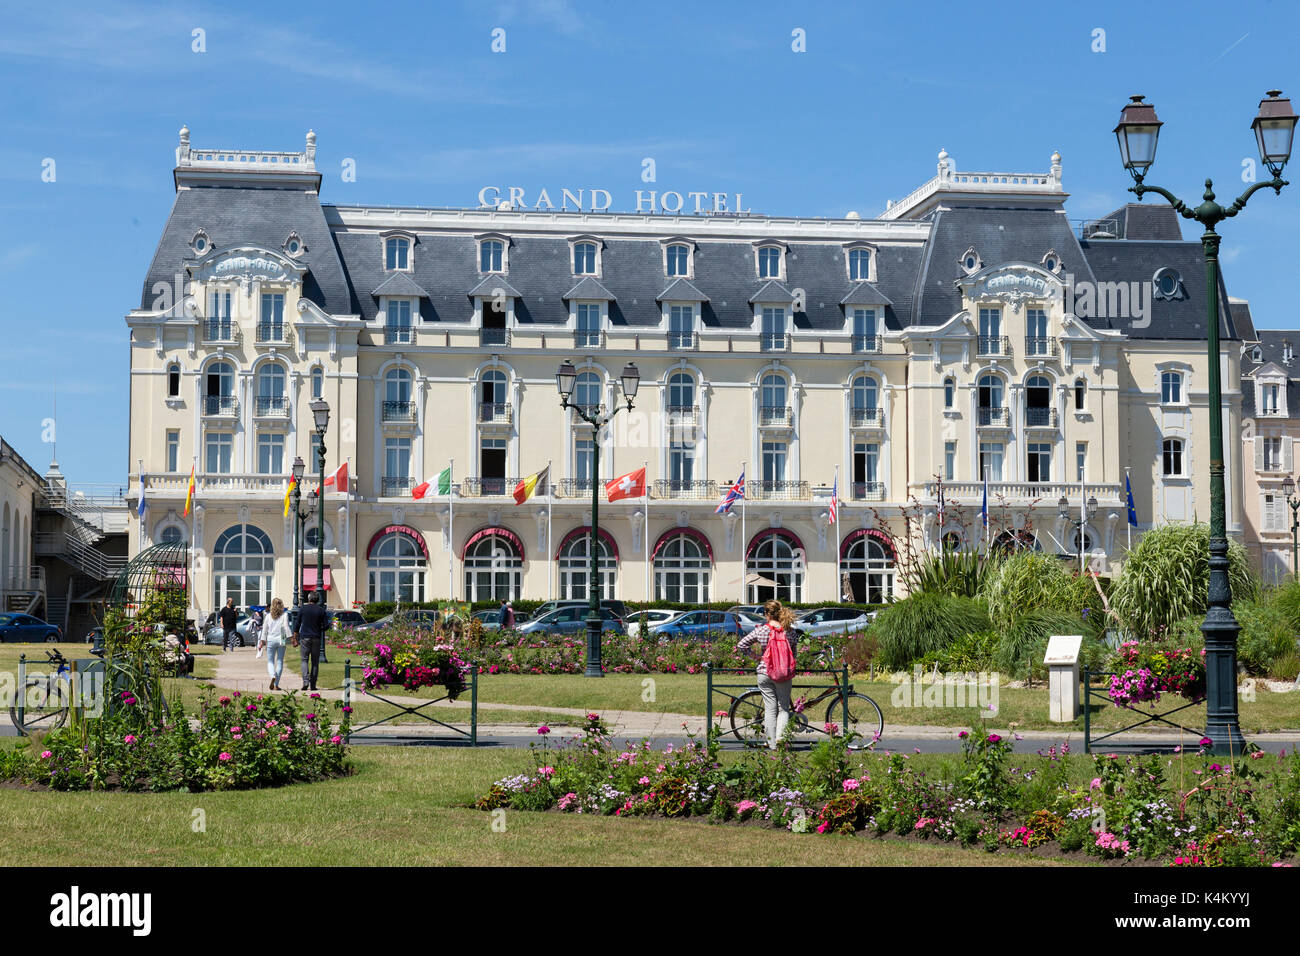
<point x="45" y="698"/>
<point x="864" y="726"/>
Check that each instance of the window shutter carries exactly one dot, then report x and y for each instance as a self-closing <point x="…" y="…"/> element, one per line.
<point x="1287" y="455"/>
<point x="1259" y="453"/>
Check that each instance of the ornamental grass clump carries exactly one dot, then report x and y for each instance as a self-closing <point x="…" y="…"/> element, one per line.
<point x="923" y="623"/>
<point x="1026" y="582"/>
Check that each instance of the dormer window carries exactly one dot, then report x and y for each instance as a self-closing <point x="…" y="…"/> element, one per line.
<point x="584" y="259"/>
<point x="970" y="261"/>
<point x="293" y="246"/>
<point x="397" y="253"/>
<point x="677" y="260"/>
<point x="491" y="256"/>
<point x="769" y="262"/>
<point x="859" y="265"/>
<point x="1270" y="398"/>
<point x="201" y="244"/>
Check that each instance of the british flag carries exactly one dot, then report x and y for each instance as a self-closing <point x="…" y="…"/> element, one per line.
<point x="734" y="494"/>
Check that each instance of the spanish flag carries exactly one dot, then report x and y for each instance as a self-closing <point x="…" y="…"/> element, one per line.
<point x="189" y="494"/>
<point x="525" y="489"/>
<point x="288" y="493"/>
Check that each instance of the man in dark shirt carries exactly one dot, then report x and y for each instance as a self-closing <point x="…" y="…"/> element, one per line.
<point x="229" y="617"/>
<point x="309" y="636"/>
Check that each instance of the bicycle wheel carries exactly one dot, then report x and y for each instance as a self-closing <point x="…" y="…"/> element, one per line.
<point x="42" y="712"/>
<point x="865" y="720"/>
<point x="746" y="718"/>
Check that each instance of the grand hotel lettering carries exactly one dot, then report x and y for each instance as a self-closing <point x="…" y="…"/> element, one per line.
<point x="600" y="200"/>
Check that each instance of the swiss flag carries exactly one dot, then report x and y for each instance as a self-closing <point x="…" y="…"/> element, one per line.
<point x="631" y="485"/>
<point x="339" y="480"/>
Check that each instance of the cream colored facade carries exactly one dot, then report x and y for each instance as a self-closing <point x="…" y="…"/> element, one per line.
<point x="1270" y="429"/>
<point x="890" y="406"/>
<point x="20" y="578"/>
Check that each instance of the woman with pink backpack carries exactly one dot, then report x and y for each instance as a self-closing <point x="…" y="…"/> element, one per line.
<point x="776" y="645"/>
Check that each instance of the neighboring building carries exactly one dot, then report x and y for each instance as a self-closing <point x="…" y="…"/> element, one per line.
<point x="22" y="585"/>
<point x="1270" y="412"/>
<point x="932" y="346"/>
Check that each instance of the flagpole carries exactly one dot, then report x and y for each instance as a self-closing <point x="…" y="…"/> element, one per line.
<point x="550" y="558"/>
<point x="352" y="552"/>
<point x="645" y="532"/>
<point x="451" y="531"/>
<point x="194" y="530"/>
<point x="1128" y="524"/>
<point x="744" y="541"/>
<point x="1083" y="521"/>
<point x="835" y="494"/>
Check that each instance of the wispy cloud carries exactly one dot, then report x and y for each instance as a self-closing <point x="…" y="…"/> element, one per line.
<point x="536" y="158"/>
<point x="559" y="15"/>
<point x="13" y="258"/>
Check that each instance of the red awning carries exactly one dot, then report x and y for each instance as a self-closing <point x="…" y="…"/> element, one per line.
<point x="791" y="538"/>
<point x="309" y="578"/>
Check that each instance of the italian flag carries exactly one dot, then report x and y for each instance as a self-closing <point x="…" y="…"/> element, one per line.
<point x="439" y="484"/>
<point x="339" y="480"/>
<point x="525" y="489"/>
<point x="189" y="494"/>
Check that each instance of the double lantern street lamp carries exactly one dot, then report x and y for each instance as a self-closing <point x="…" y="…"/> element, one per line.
<point x="1288" y="489"/>
<point x="565" y="378"/>
<point x="1087" y="513"/>
<point x="301" y="514"/>
<point x="320" y="411"/>
<point x="1136" y="134"/>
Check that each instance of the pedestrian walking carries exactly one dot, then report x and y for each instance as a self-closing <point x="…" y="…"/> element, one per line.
<point x="308" y="636"/>
<point x="507" y="616"/>
<point x="255" y="629"/>
<point x="275" y="634"/>
<point x="229" y="618"/>
<point x="776" y="644"/>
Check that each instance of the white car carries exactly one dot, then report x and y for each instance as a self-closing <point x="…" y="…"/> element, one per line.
<point x="833" y="620"/>
<point x="652" y="618"/>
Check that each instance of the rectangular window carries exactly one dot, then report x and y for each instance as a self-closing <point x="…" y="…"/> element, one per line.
<point x="991" y="461"/>
<point x="681" y="461"/>
<point x="270" y="454"/>
<point x="1271" y="396"/>
<point x="173" y="449"/>
<point x="859" y="265"/>
<point x="1040" y="461"/>
<point x="774" y="459"/>
<point x="1081" y="461"/>
<point x="678" y="260"/>
<point x="1172" y="453"/>
<point x="949" y="461"/>
<point x="588" y="320"/>
<point x="397" y="459"/>
<point x="1036" y="332"/>
<point x="312" y="463"/>
<point x="584" y="259"/>
<point x="773" y="329"/>
<point x="492" y="464"/>
<point x="584" y="450"/>
<point x="219" y="327"/>
<point x="272" y="314"/>
<point x="218" y="453"/>
<point x="1171" y="388"/>
<point x="1272" y="454"/>
<point x="397" y="250"/>
<point x="490" y="257"/>
<point x="990" y="332"/>
<point x="397" y="322"/>
<point x="681" y="326"/>
<point x="769" y="263"/>
<point x="864" y="330"/>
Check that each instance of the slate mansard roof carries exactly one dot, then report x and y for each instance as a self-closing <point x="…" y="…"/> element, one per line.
<point x="915" y="283"/>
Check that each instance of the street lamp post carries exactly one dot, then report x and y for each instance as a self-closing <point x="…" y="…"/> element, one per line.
<point x="630" y="381"/>
<point x="1288" y="489"/>
<point x="1136" y="134"/>
<point x="1087" y="512"/>
<point x="298" y="469"/>
<point x="320" y="410"/>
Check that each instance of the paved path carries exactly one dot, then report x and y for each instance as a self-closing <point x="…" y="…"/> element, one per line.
<point x="242" y="670"/>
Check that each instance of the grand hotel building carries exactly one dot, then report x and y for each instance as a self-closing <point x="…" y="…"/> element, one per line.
<point x="969" y="333"/>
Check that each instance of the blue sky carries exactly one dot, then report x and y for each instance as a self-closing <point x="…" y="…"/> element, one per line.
<point x="582" y="94"/>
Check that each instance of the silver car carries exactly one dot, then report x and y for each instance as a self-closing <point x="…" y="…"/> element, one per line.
<point x="832" y="620"/>
<point x="652" y="618"/>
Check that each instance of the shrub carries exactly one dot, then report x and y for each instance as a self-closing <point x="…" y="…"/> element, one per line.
<point x="1285" y="666"/>
<point x="861" y="650"/>
<point x="911" y="628"/>
<point x="960" y="573"/>
<point x="1025" y="582"/>
<point x="1022" y="645"/>
<point x="1266" y="635"/>
<point x="1167" y="577"/>
<point x="1286" y="599"/>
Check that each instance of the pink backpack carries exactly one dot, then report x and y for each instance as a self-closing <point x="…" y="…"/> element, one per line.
<point x="778" y="660"/>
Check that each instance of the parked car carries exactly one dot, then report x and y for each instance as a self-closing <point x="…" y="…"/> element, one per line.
<point x="652" y="617"/>
<point x="346" y="619"/>
<point x="618" y="607"/>
<point x="832" y="620"/>
<point x="25" y="629"/>
<point x="412" y="617"/>
<point x="243" y="630"/>
<point x="490" y="619"/>
<point x="699" y="624"/>
<point x="753" y="610"/>
<point x="571" y="620"/>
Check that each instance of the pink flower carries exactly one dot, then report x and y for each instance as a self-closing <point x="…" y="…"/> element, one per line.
<point x="1096" y="784"/>
<point x="223" y="756"/>
<point x="235" y="730"/>
<point x="964" y="734"/>
<point x="643" y="781"/>
<point x="336" y="739"/>
<point x="129" y="739"/>
<point x="543" y="730"/>
<point x="347" y="708"/>
<point x="850" y="785"/>
<point x="994" y="738"/>
<point x="1206" y="742"/>
<point x="314" y="696"/>
<point x="251" y="708"/>
<point x="546" y="772"/>
<point x="660" y="769"/>
<point x="46" y="755"/>
<point x="224" y="701"/>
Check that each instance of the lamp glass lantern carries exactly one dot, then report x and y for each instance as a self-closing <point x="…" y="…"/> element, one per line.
<point x="298" y="469"/>
<point x="320" y="411"/>
<point x="631" y="379"/>
<point x="565" y="377"/>
<point x="1275" y="130"/>
<point x="1137" y="133"/>
<point x="1063" y="507"/>
<point x="1288" y="486"/>
<point x="1092" y="507"/>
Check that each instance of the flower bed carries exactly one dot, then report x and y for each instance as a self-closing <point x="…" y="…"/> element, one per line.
<point x="236" y="743"/>
<point x="1132" y="809"/>
<point x="418" y="661"/>
<point x="1144" y="672"/>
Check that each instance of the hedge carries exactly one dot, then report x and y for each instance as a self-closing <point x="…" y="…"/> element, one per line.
<point x="377" y="609"/>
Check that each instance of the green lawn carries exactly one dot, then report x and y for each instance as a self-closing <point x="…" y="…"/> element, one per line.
<point x="406" y="807"/>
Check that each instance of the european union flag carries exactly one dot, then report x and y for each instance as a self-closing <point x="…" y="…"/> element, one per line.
<point x="1128" y="492"/>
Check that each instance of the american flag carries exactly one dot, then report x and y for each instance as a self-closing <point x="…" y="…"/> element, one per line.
<point x="835" y="496"/>
<point x="734" y="493"/>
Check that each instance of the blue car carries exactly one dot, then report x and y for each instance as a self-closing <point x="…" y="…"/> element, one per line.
<point x="25" y="629"/>
<point x="699" y="624"/>
<point x="571" y="620"/>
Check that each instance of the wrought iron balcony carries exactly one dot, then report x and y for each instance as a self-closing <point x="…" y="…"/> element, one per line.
<point x="770" y="415"/>
<point x="588" y="339"/>
<point x="1040" y="417"/>
<point x="575" y="487"/>
<point x="777" y="490"/>
<point x="1038" y="346"/>
<point x="398" y="334"/>
<point x="226" y="405"/>
<point x="992" y="417"/>
<point x="868" y="490"/>
<point x="683" y="341"/>
<point x="867" y="418"/>
<point x="221" y="331"/>
<point x="274" y="333"/>
<point x="686" y="489"/>
<point x="774" y="342"/>
<point x="683" y="414"/>
<point x="994" y="345"/>
<point x="488" y="487"/>
<point x="392" y="487"/>
<point x="868" y="343"/>
<point x="399" y="411"/>
<point x="490" y="336"/>
<point x="271" y="406"/>
<point x="495" y="413"/>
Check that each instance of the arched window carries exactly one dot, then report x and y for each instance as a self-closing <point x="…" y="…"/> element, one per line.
<point x="1080" y="394"/>
<point x="1171" y="388"/>
<point x="396" y="569"/>
<point x="243" y="566"/>
<point x="1038" y="401"/>
<point x="312" y="534"/>
<point x="681" y="390"/>
<point x="493" y="570"/>
<point x="866" y="393"/>
<point x="575" y="568"/>
<point x="772" y="390"/>
<point x="775" y="569"/>
<point x="683" y="570"/>
<point x="859" y="265"/>
<point x="1083" y="540"/>
<point x="490" y="255"/>
<point x="397" y="385"/>
<point x="584" y="258"/>
<point x="219" y="380"/>
<point x="586" y="390"/>
<point x="949" y="392"/>
<point x="1009" y="542"/>
<point x="990" y="391"/>
<point x="952" y="541"/>
<point x="678" y="260"/>
<point x="397" y="253"/>
<point x="869" y="564"/>
<point x="174" y="380"/>
<point x="317" y="382"/>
